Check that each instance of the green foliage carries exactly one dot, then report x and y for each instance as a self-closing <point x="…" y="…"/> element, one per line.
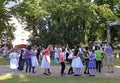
<point x="113" y="5"/>
<point x="66" y="21"/>
<point x="6" y="29"/>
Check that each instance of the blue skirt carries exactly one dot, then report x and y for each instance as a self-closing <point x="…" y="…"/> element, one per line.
<point x="92" y="64"/>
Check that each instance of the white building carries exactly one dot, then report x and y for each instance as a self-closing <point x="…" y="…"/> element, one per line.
<point x="21" y="36"/>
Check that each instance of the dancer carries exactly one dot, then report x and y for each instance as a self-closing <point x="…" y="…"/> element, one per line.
<point x="76" y="62"/>
<point x="34" y="60"/>
<point x="46" y="60"/>
<point x="61" y="60"/>
<point x="13" y="60"/>
<point x="99" y="55"/>
<point x="21" y="60"/>
<point x="86" y="57"/>
<point x="28" y="55"/>
<point x="92" y="63"/>
<point x="70" y="71"/>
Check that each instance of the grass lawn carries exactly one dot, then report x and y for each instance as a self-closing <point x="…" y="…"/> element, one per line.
<point x="3" y="62"/>
<point x="6" y="62"/>
<point x="68" y="79"/>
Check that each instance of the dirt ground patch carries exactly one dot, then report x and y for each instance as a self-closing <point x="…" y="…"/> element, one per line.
<point x="4" y="69"/>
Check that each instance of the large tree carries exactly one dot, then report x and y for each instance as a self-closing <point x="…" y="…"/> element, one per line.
<point x="114" y="5"/>
<point x="6" y="29"/>
<point x="64" y="21"/>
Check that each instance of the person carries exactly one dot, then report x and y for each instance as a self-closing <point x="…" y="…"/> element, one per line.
<point x="99" y="55"/>
<point x="46" y="60"/>
<point x="56" y="55"/>
<point x="38" y="55"/>
<point x="76" y="62"/>
<point x="13" y="56"/>
<point x="110" y="58"/>
<point x="34" y="60"/>
<point x="62" y="61"/>
<point x="95" y="45"/>
<point x="67" y="49"/>
<point x="21" y="60"/>
<point x="92" y="63"/>
<point x="70" y="70"/>
<point x="82" y="50"/>
<point x="28" y="55"/>
<point x="86" y="57"/>
<point x="5" y="52"/>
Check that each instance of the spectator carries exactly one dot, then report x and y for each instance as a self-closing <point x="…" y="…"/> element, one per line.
<point x="110" y="58"/>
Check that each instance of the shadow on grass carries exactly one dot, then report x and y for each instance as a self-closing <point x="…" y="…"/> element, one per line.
<point x="9" y="78"/>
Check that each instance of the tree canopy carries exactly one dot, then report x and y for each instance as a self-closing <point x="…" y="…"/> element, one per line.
<point x="6" y="29"/>
<point x="66" y="21"/>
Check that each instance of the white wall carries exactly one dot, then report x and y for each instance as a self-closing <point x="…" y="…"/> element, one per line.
<point x="21" y="36"/>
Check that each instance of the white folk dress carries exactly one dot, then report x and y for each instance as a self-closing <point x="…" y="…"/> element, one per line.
<point x="45" y="61"/>
<point x="76" y="62"/>
<point x="13" y="60"/>
<point x="34" y="61"/>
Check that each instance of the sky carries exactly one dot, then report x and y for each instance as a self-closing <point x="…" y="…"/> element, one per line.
<point x="11" y="3"/>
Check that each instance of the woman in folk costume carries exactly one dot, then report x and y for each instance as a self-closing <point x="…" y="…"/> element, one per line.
<point x="46" y="60"/>
<point x="28" y="55"/>
<point x="34" y="60"/>
<point x="62" y="61"/>
<point x="76" y="62"/>
<point x="92" y="63"/>
<point x="13" y="60"/>
<point x="56" y="56"/>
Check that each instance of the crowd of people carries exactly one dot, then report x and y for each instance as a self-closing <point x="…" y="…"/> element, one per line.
<point x="77" y="58"/>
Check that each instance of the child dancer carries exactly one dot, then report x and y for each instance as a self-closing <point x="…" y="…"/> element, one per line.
<point x="76" y="62"/>
<point x="61" y="60"/>
<point x="92" y="63"/>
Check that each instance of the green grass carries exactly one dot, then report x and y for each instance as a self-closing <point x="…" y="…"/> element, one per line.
<point x="116" y="62"/>
<point x="3" y="62"/>
<point x="69" y="79"/>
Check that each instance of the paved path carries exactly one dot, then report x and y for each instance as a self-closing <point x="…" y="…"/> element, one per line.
<point x="4" y="69"/>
